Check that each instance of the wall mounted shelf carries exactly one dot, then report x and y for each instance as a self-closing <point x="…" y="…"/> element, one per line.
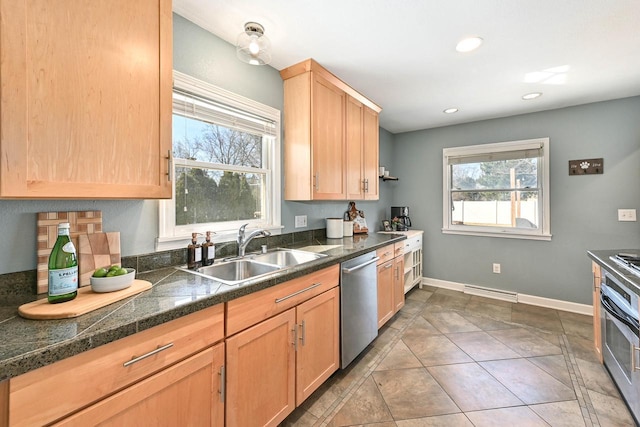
<point x="388" y="178"/>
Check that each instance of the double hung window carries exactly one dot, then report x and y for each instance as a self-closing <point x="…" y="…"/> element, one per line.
<point x="226" y="163"/>
<point x="499" y="189"/>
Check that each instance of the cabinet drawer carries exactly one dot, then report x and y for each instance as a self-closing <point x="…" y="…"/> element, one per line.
<point x="398" y="249"/>
<point x="251" y="309"/>
<point x="385" y="254"/>
<point x="412" y="244"/>
<point x="73" y="383"/>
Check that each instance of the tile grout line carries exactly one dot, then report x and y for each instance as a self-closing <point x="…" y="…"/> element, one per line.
<point x="344" y="397"/>
<point x="586" y="406"/>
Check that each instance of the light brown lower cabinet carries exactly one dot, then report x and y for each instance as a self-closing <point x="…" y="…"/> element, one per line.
<point x="398" y="283"/>
<point x="273" y="366"/>
<point x="4" y="403"/>
<point x="188" y="393"/>
<point x="390" y="282"/>
<point x="167" y="368"/>
<point x="597" y="333"/>
<point x="385" y="292"/>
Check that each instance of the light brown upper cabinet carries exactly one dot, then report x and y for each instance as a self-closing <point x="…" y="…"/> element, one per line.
<point x="86" y="99"/>
<point x="331" y="140"/>
<point x="362" y="151"/>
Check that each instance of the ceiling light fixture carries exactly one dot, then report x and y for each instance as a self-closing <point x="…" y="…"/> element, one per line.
<point x="253" y="47"/>
<point x="468" y="44"/>
<point x="450" y="110"/>
<point x="532" y="95"/>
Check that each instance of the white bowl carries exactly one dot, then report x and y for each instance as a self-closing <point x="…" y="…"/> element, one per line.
<point x="113" y="283"/>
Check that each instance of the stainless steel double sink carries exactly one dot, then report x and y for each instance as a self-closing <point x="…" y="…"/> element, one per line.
<point x="252" y="266"/>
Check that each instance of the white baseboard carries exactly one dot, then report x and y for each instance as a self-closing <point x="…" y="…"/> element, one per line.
<point x="571" y="307"/>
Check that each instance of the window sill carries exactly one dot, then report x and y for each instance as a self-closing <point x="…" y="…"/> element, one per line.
<point x="505" y="235"/>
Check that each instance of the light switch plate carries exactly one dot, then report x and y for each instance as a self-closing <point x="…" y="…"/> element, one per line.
<point x="626" y="214"/>
<point x="300" y="221"/>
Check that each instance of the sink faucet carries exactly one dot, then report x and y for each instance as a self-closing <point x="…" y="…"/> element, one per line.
<point x="243" y="240"/>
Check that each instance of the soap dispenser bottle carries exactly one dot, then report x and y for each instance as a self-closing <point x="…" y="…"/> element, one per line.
<point x="194" y="252"/>
<point x="208" y="250"/>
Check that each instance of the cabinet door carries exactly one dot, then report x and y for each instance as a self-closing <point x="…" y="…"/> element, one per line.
<point x="354" y="146"/>
<point x="188" y="393"/>
<point x="362" y="144"/>
<point x="398" y="283"/>
<point x="385" y="292"/>
<point x="597" y="333"/>
<point x="86" y="99"/>
<point x="318" y="354"/>
<point x="370" y="153"/>
<point x="4" y="403"/>
<point x="328" y="140"/>
<point x="261" y="372"/>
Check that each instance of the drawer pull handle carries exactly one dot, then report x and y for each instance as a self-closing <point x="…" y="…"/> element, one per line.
<point x="388" y="266"/>
<point x="294" y="332"/>
<point x="169" y="165"/>
<point x="223" y="383"/>
<point x="144" y="356"/>
<point x="315" y="285"/>
<point x="359" y="266"/>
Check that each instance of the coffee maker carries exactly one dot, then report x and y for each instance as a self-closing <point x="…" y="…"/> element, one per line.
<point x="402" y="213"/>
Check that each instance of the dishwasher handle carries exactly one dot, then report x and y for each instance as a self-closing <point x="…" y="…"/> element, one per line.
<point x="359" y="266"/>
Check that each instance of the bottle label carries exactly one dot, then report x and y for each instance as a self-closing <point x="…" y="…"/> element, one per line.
<point x="63" y="281"/>
<point x="198" y="254"/>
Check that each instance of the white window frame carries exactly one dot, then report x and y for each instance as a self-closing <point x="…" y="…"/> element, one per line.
<point x="172" y="236"/>
<point x="543" y="232"/>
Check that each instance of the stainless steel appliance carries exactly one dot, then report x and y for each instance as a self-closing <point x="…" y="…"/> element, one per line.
<point x="629" y="261"/>
<point x="402" y="213"/>
<point x="358" y="306"/>
<point x="620" y="344"/>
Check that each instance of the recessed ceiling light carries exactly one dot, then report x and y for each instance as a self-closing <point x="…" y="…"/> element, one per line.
<point x="532" y="95"/>
<point x="468" y="44"/>
<point x="450" y="110"/>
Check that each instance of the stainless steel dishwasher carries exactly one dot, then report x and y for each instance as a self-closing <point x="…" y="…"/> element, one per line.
<point x="358" y="306"/>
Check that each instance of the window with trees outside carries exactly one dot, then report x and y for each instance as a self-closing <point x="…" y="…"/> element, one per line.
<point x="226" y="164"/>
<point x="499" y="189"/>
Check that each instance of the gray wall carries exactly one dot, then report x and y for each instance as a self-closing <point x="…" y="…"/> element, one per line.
<point x="204" y="56"/>
<point x="583" y="208"/>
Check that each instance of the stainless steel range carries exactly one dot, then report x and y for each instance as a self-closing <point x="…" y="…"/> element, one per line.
<point x="629" y="261"/>
<point x="620" y="324"/>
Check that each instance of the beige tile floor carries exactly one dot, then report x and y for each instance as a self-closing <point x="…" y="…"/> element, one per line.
<point x="451" y="359"/>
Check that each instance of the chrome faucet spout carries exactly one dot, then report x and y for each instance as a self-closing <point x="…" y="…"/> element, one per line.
<point x="243" y="239"/>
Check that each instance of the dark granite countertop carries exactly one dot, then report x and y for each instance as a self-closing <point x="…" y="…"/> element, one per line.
<point x="29" y="344"/>
<point x="602" y="258"/>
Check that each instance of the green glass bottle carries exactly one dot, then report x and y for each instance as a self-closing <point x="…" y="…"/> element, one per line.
<point x="63" y="268"/>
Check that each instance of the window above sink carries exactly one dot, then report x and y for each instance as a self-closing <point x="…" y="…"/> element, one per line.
<point x="226" y="163"/>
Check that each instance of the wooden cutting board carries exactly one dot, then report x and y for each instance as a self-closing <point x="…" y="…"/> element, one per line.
<point x="97" y="250"/>
<point x="86" y="301"/>
<point x="81" y="223"/>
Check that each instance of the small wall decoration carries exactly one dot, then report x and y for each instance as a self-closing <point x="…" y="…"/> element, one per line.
<point x="586" y="166"/>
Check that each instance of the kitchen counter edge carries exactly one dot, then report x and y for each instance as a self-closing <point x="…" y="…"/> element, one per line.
<point x="601" y="257"/>
<point x="31" y="344"/>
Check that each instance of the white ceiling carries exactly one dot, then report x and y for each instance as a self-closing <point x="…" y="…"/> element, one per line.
<point x="401" y="53"/>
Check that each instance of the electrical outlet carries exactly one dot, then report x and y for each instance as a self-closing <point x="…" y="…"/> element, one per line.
<point x="496" y="268"/>
<point x="626" y="214"/>
<point x="300" y="221"/>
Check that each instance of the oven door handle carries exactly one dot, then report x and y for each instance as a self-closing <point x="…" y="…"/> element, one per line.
<point x="615" y="311"/>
